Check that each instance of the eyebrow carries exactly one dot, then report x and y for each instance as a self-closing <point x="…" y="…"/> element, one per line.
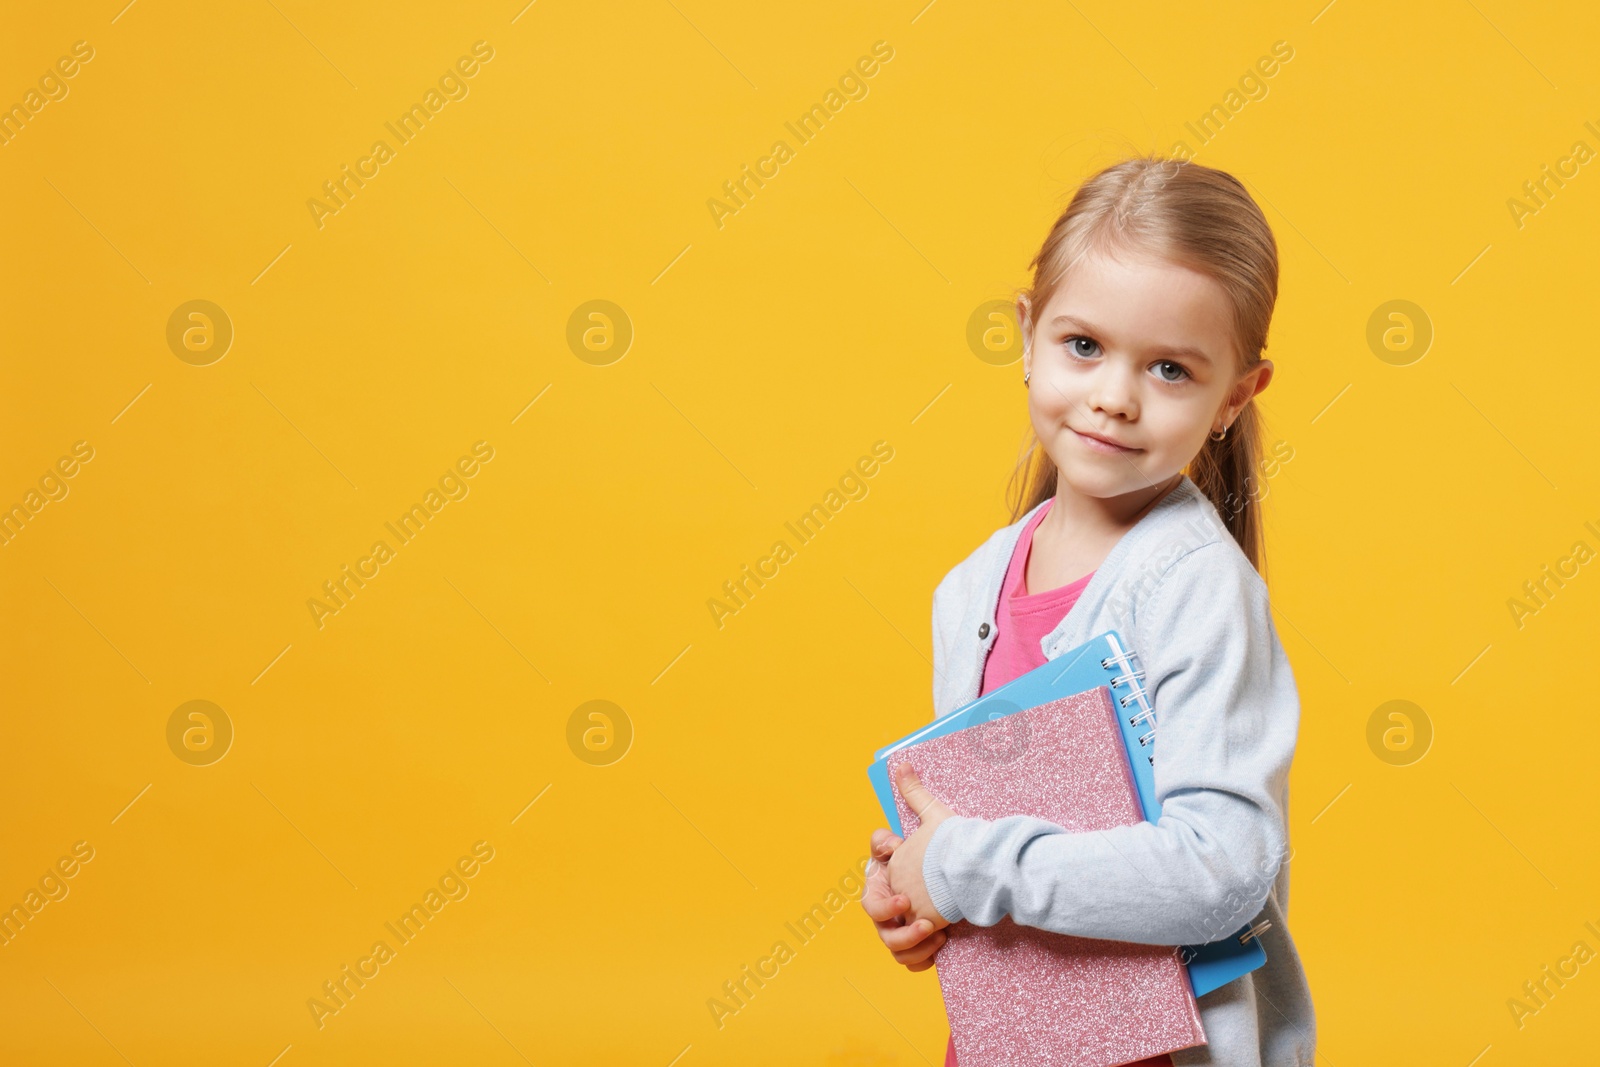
<point x="1161" y="350"/>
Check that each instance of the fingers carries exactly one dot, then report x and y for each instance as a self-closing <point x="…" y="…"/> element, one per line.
<point x="881" y="902"/>
<point x="912" y="789"/>
<point x="899" y="939"/>
<point x="884" y="843"/>
<point x="921" y="955"/>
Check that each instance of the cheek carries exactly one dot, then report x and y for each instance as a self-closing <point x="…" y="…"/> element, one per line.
<point x="1054" y="392"/>
<point x="1177" y="426"/>
<point x="1047" y="409"/>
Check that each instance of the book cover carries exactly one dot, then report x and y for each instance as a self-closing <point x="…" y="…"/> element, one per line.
<point x="1019" y="994"/>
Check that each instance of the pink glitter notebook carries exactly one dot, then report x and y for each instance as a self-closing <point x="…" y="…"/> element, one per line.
<point x="1018" y="994"/>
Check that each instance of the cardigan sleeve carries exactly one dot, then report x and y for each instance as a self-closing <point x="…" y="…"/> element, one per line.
<point x="1227" y="713"/>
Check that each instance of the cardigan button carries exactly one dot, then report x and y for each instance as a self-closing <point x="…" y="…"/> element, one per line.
<point x="983" y="631"/>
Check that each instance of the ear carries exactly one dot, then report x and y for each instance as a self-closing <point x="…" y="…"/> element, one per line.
<point x="1025" y="325"/>
<point x="1249" y="385"/>
<point x="1259" y="376"/>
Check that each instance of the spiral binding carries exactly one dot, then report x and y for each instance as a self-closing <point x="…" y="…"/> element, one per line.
<point x="1133" y="678"/>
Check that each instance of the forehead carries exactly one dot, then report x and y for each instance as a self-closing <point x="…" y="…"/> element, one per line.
<point x="1144" y="303"/>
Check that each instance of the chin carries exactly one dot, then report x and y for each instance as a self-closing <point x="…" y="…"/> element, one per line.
<point x="1100" y="484"/>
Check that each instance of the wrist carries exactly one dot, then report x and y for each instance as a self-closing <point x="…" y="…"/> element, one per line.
<point x="940" y="891"/>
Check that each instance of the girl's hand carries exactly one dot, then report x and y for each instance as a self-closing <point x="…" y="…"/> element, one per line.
<point x="905" y="864"/>
<point x="913" y="945"/>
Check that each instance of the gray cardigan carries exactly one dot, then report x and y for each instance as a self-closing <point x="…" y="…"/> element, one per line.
<point x="1177" y="588"/>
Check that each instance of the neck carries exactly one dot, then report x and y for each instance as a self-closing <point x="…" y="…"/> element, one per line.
<point x="1108" y="516"/>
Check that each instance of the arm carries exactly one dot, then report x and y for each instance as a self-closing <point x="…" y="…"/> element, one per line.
<point x="1227" y="712"/>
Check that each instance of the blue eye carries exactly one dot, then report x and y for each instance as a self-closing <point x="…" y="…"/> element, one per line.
<point x="1092" y="348"/>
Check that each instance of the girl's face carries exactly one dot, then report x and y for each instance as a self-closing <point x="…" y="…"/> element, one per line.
<point x="1139" y="352"/>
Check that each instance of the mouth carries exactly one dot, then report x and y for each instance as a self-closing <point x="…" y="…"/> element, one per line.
<point x="1102" y="444"/>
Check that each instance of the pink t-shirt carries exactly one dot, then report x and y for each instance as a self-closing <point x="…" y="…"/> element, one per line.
<point x="1023" y="618"/>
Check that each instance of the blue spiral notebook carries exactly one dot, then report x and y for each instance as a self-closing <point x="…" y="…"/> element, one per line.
<point x="1102" y="661"/>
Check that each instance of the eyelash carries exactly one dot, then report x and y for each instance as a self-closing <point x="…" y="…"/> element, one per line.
<point x="1067" y="341"/>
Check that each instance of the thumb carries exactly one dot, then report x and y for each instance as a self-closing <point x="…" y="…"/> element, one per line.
<point x="912" y="789"/>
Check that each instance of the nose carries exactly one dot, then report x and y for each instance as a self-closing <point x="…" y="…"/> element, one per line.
<point x="1115" y="392"/>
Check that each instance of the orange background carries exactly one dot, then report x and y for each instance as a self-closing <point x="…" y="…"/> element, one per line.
<point x="767" y="355"/>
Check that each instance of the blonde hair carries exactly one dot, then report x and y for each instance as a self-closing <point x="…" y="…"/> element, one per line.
<point x="1199" y="218"/>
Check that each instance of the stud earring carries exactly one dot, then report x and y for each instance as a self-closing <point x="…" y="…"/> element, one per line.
<point x="1219" y="436"/>
<point x="1025" y="376"/>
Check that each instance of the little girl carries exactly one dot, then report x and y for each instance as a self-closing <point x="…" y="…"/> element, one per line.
<point x="1142" y="338"/>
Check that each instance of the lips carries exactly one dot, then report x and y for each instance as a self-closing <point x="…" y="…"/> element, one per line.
<point x="1103" y="444"/>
